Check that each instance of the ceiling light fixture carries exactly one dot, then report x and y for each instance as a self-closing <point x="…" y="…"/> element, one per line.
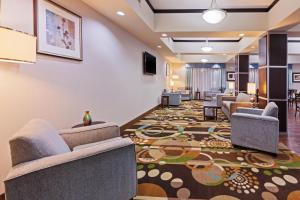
<point x="214" y="15"/>
<point x="204" y="60"/>
<point x="159" y="46"/>
<point x="242" y="34"/>
<point x="120" y="13"/>
<point x="164" y="35"/>
<point x="206" y="47"/>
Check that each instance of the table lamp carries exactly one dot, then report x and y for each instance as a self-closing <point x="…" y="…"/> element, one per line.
<point x="172" y="83"/>
<point x="231" y="86"/>
<point x="16" y="46"/>
<point x="251" y="90"/>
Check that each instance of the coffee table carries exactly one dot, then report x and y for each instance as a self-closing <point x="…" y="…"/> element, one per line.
<point x="210" y="109"/>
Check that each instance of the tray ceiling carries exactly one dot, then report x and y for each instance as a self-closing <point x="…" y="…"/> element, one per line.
<point x="204" y="4"/>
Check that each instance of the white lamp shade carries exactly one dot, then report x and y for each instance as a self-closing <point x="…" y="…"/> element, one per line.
<point x="16" y="46"/>
<point x="214" y="16"/>
<point x="172" y="83"/>
<point x="175" y="77"/>
<point x="231" y="85"/>
<point x="251" y="88"/>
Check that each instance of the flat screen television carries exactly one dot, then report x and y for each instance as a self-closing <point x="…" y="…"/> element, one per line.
<point x="149" y="63"/>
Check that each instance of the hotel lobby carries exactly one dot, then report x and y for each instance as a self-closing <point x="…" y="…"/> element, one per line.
<point x="150" y="99"/>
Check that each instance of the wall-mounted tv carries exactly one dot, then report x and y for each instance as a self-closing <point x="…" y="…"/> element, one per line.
<point x="149" y="63"/>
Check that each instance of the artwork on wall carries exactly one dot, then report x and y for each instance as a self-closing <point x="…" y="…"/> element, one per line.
<point x="58" y="30"/>
<point x="230" y="76"/>
<point x="296" y="77"/>
<point x="167" y="69"/>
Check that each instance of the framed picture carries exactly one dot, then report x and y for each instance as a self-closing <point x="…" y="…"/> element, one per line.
<point x="230" y="76"/>
<point x="296" y="77"/>
<point x="58" y="30"/>
<point x="167" y="69"/>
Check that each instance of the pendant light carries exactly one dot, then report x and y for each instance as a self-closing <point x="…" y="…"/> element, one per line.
<point x="214" y="15"/>
<point x="206" y="47"/>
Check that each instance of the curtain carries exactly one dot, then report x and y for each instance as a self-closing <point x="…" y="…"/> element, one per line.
<point x="205" y="78"/>
<point x="290" y="76"/>
<point x="253" y="76"/>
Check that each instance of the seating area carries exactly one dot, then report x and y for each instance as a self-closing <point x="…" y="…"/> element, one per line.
<point x="150" y="100"/>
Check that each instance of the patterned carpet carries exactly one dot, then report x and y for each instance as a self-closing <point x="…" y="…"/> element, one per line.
<point x="180" y="156"/>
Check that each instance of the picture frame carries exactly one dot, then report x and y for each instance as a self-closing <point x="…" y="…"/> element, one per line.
<point x="296" y="77"/>
<point x="167" y="69"/>
<point x="230" y="76"/>
<point x="58" y="30"/>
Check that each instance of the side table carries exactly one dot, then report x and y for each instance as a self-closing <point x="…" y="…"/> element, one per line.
<point x="165" y="98"/>
<point x="93" y="123"/>
<point x="197" y="95"/>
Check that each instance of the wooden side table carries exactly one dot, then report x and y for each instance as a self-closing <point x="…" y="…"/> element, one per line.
<point x="197" y="95"/>
<point x="93" y="123"/>
<point x="165" y="99"/>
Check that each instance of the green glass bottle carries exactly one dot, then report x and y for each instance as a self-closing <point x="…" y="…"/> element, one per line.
<point x="87" y="119"/>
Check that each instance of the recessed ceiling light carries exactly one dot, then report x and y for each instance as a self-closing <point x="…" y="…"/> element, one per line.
<point x="253" y="47"/>
<point x="204" y="60"/>
<point x="120" y="13"/>
<point x="242" y="34"/>
<point x="164" y="35"/>
<point x="159" y="46"/>
<point x="214" y="15"/>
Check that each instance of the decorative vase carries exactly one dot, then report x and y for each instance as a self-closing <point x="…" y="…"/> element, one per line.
<point x="87" y="119"/>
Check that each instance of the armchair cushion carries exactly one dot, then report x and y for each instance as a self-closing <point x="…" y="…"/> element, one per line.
<point x="271" y="110"/>
<point x="243" y="98"/>
<point x="36" y="140"/>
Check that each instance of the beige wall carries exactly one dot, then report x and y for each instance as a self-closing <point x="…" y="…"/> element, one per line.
<point x="109" y="82"/>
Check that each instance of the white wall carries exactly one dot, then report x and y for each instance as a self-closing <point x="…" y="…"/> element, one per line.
<point x="296" y="68"/>
<point x="109" y="82"/>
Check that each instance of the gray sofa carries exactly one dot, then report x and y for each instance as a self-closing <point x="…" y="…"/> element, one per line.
<point x="174" y="98"/>
<point x="256" y="128"/>
<point x="84" y="163"/>
<point x="231" y="103"/>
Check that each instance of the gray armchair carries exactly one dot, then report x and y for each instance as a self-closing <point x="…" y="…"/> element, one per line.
<point x="256" y="128"/>
<point x="174" y="98"/>
<point x="45" y="168"/>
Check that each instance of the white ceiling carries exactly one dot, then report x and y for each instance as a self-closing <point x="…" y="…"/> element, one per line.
<point x="148" y="26"/>
<point x="204" y="4"/>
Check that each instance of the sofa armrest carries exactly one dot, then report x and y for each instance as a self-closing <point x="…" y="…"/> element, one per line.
<point x="253" y="111"/>
<point x="89" y="134"/>
<point x="235" y="105"/>
<point x="89" y="173"/>
<point x="228" y="98"/>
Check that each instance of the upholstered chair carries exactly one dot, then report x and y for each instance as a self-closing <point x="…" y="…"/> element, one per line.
<point x="88" y="163"/>
<point x="256" y="128"/>
<point x="230" y="103"/>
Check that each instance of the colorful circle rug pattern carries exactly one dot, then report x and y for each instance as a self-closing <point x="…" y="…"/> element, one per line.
<point x="181" y="156"/>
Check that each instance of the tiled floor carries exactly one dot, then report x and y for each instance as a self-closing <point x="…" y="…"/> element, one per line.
<point x="292" y="140"/>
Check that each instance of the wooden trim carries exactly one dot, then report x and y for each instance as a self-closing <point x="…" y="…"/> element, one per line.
<point x="174" y="40"/>
<point x="229" y="10"/>
<point x="2" y="196"/>
<point x="132" y="122"/>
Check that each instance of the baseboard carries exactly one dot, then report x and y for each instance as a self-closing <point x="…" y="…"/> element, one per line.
<point x="129" y="124"/>
<point x="2" y="196"/>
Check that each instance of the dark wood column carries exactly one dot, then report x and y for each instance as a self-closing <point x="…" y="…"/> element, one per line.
<point x="273" y="73"/>
<point x="242" y="73"/>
